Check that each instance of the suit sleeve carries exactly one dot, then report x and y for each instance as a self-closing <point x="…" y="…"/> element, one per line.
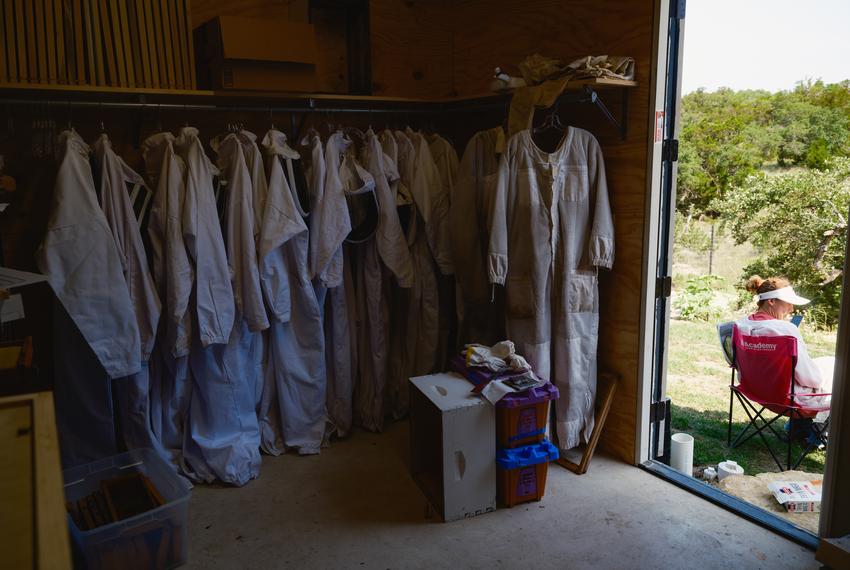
<point x="601" y="243"/>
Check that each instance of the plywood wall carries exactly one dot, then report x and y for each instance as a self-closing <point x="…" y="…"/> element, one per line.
<point x="412" y="48"/>
<point x="481" y="34"/>
<point x="203" y="10"/>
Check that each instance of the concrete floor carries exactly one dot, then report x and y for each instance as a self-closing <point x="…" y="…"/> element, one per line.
<point x="355" y="506"/>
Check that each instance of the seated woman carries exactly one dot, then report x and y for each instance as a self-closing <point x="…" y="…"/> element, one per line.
<point x="776" y="300"/>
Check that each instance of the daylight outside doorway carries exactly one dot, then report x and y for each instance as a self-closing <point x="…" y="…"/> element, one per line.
<point x="763" y="188"/>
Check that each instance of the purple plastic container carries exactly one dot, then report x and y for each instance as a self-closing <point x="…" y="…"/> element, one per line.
<point x="530" y="397"/>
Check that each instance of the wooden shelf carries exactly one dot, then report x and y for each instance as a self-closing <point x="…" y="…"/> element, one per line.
<point x="583" y="91"/>
<point x="153" y="96"/>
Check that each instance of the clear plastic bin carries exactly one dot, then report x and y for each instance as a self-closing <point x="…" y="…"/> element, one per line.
<point x="154" y="539"/>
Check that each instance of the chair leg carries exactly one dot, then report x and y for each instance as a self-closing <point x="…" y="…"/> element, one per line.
<point x="729" y="431"/>
<point x="754" y="415"/>
<point x="790" y="439"/>
<point x="813" y="444"/>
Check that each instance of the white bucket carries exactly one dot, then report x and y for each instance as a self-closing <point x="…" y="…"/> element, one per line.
<point x="727" y="468"/>
<point x="682" y="453"/>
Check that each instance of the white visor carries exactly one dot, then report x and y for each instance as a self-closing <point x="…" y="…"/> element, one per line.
<point x="786" y="294"/>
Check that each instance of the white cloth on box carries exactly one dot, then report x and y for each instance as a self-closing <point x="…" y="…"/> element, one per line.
<point x="501" y="357"/>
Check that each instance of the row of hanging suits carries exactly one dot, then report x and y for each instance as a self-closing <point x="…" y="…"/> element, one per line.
<point x="237" y="318"/>
<point x="271" y="301"/>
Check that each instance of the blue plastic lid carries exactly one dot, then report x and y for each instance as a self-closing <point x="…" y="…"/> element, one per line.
<point x="526" y="455"/>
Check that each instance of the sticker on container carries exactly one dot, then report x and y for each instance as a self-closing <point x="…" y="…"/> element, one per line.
<point x="527" y="422"/>
<point x="527" y="484"/>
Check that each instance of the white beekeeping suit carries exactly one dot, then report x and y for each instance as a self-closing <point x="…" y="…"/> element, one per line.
<point x="84" y="269"/>
<point x="475" y="186"/>
<point x="414" y="314"/>
<point x="171" y="387"/>
<point x="387" y="248"/>
<point x="431" y="196"/>
<point x="330" y="223"/>
<point x="133" y="393"/>
<point x="552" y="230"/>
<point x="240" y="165"/>
<point x="445" y="160"/>
<point x="222" y="440"/>
<point x="295" y="387"/>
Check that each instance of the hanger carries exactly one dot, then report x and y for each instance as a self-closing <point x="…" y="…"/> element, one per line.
<point x="552" y="121"/>
<point x="349" y="130"/>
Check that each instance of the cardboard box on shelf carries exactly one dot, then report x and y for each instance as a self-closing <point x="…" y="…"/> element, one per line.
<point x="237" y="53"/>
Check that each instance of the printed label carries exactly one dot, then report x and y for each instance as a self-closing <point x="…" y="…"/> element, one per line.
<point x="527" y="422"/>
<point x="527" y="484"/>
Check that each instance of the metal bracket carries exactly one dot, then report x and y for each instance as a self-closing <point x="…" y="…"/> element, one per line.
<point x="670" y="150"/>
<point x="663" y="287"/>
<point x="620" y="125"/>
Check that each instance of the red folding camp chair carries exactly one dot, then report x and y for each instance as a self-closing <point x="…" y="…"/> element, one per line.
<point x="765" y="368"/>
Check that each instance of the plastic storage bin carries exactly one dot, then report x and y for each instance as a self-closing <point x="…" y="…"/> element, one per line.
<point x="154" y="539"/>
<point x="522" y="472"/>
<point x="521" y="418"/>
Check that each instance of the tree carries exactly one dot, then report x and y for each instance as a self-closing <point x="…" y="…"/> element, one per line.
<point x="728" y="136"/>
<point x="798" y="220"/>
<point x="723" y="140"/>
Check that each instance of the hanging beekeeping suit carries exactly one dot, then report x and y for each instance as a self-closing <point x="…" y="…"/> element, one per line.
<point x="241" y="166"/>
<point x="296" y="381"/>
<point x="386" y="249"/>
<point x="552" y="228"/>
<point x="117" y="180"/>
<point x="222" y="439"/>
<point x="431" y="196"/>
<point x="84" y="269"/>
<point x="480" y="321"/>
<point x="446" y="161"/>
<point x="171" y="387"/>
<point x="329" y="225"/>
<point x="414" y="333"/>
<point x="361" y="267"/>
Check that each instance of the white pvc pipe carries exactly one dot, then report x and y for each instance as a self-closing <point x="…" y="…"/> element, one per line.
<point x="682" y="453"/>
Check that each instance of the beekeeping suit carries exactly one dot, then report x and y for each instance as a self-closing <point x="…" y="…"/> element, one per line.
<point x="552" y="229"/>
<point x="83" y="267"/>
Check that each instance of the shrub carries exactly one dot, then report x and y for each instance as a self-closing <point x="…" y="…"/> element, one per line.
<point x="696" y="301"/>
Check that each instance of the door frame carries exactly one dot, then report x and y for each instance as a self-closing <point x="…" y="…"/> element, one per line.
<point x="835" y="516"/>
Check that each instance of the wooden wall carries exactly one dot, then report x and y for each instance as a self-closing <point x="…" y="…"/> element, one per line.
<point x="412" y="48"/>
<point x="481" y="34"/>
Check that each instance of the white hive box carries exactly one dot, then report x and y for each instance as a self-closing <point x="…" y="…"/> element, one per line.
<point x="453" y="446"/>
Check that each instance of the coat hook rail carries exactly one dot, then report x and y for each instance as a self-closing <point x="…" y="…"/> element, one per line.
<point x="310" y="105"/>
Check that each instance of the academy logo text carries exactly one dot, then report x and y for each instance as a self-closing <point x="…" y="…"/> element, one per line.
<point x="759" y="346"/>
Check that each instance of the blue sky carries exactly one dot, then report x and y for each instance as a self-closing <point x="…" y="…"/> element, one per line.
<point x="765" y="44"/>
